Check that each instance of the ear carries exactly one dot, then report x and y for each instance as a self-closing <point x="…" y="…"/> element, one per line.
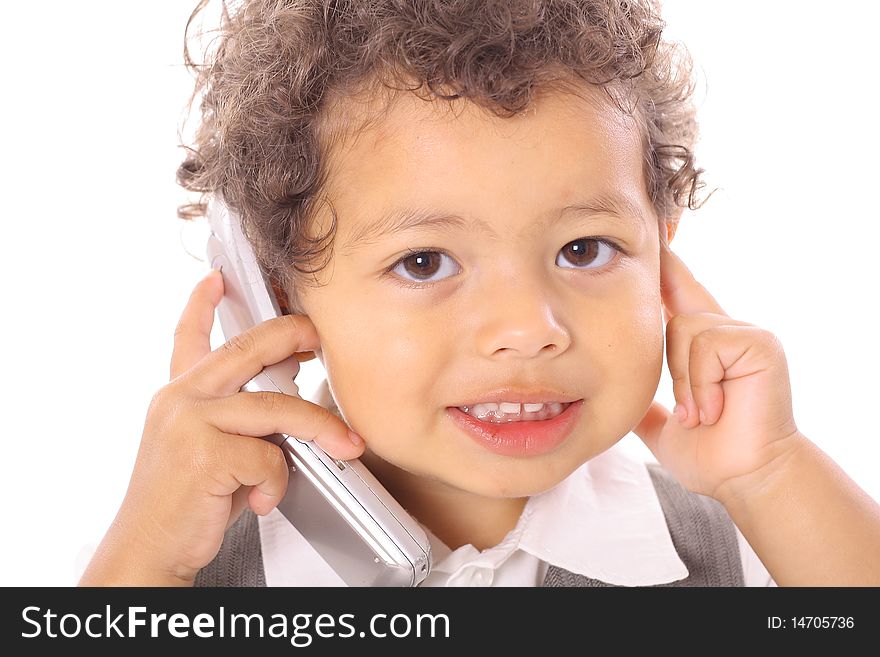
<point x="288" y="303"/>
<point x="280" y="296"/>
<point x="671" y="223"/>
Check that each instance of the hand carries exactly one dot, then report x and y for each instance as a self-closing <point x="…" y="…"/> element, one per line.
<point x="202" y="457"/>
<point x="731" y="385"/>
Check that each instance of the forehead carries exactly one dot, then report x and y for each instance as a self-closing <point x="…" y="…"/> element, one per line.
<point x="458" y="157"/>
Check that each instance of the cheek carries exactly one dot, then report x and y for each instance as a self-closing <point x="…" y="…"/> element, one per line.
<point x="634" y="347"/>
<point x="646" y="324"/>
<point x="382" y="367"/>
<point x="645" y="343"/>
<point x="620" y="333"/>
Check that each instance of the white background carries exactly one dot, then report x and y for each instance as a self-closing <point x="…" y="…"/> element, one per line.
<point x="95" y="269"/>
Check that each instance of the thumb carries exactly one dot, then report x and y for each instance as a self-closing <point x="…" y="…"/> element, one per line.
<point x="650" y="426"/>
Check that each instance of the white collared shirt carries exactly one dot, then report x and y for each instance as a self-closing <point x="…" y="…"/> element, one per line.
<point x="603" y="521"/>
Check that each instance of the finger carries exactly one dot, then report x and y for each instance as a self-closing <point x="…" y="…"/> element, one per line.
<point x="680" y="333"/>
<point x="239" y="504"/>
<point x="650" y="427"/>
<point x="238" y="461"/>
<point x="713" y="352"/>
<point x="265" y="413"/>
<point x="226" y="369"/>
<point x="192" y="337"/>
<point x="680" y="291"/>
<point x="305" y="356"/>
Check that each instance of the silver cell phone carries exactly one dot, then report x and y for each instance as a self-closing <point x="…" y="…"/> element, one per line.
<point x="340" y="508"/>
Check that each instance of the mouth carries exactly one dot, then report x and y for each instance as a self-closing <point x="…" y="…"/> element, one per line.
<point x="524" y="431"/>
<point x="504" y="412"/>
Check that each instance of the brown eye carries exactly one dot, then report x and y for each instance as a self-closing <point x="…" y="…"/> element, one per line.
<point x="587" y="253"/>
<point x="421" y="266"/>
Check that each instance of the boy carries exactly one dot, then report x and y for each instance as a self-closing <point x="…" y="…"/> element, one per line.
<point x="468" y="207"/>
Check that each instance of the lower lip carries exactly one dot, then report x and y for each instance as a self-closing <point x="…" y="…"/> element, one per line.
<point x="530" y="438"/>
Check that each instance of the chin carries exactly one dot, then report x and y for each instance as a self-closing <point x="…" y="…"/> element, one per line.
<point x="513" y="485"/>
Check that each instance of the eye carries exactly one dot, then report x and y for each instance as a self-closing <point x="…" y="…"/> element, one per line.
<point x="422" y="265"/>
<point x="588" y="253"/>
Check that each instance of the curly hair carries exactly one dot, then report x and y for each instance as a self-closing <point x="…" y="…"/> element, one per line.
<point x="279" y="66"/>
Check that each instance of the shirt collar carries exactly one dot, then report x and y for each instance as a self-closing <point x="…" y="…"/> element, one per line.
<point x="603" y="521"/>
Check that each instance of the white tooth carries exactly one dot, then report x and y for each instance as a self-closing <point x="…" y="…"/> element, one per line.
<point x="532" y="408"/>
<point x="481" y="409"/>
<point x="509" y="407"/>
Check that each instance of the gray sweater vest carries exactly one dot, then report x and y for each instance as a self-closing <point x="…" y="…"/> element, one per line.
<point x="702" y="533"/>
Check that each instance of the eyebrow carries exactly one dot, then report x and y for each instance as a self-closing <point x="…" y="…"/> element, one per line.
<point x="400" y="220"/>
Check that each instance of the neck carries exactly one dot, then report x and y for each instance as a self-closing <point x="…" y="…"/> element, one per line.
<point x="455" y="516"/>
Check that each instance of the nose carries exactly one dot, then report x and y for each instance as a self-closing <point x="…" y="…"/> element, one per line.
<point x="521" y="324"/>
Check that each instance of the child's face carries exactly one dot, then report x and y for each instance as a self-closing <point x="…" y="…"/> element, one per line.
<point x="507" y="303"/>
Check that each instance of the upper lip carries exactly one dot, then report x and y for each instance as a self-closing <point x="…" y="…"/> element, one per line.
<point x="524" y="395"/>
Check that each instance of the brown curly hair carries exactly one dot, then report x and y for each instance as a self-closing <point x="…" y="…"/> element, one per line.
<point x="279" y="66"/>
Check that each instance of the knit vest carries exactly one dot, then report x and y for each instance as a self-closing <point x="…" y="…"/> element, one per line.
<point x="702" y="532"/>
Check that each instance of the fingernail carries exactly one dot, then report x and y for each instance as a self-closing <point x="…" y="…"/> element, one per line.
<point x="680" y="412"/>
<point x="354" y="438"/>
